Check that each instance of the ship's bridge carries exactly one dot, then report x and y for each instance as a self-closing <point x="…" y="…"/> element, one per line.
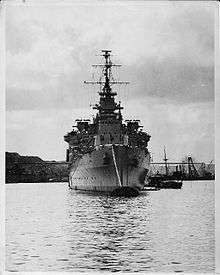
<point x="107" y="103"/>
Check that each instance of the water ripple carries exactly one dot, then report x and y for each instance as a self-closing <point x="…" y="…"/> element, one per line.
<point x="52" y="228"/>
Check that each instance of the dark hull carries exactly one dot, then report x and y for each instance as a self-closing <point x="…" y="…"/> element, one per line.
<point x="111" y="169"/>
<point x="165" y="183"/>
<point x="171" y="184"/>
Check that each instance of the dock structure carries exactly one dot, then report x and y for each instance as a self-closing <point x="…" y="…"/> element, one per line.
<point x="187" y="170"/>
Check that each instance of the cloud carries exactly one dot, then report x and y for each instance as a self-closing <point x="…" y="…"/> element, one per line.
<point x="184" y="130"/>
<point x="172" y="80"/>
<point x="187" y="129"/>
<point x="34" y="132"/>
<point x="167" y="49"/>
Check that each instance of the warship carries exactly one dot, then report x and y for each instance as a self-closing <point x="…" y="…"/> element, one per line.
<point x="108" y="154"/>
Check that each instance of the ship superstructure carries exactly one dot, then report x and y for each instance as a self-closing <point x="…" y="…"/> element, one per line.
<point x="108" y="154"/>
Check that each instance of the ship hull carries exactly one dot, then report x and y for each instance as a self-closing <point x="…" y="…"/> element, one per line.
<point x="114" y="169"/>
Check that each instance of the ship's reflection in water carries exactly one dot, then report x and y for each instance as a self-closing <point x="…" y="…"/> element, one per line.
<point x="117" y="232"/>
<point x="52" y="228"/>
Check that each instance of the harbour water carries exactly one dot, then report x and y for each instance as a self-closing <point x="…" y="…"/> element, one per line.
<point x="52" y="228"/>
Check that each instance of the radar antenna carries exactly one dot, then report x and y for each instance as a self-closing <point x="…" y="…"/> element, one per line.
<point x="108" y="81"/>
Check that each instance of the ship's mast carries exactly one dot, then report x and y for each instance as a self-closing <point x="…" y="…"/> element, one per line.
<point x="107" y="103"/>
<point x="107" y="73"/>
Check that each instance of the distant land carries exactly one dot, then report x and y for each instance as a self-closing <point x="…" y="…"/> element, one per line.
<point x="33" y="169"/>
<point x="21" y="169"/>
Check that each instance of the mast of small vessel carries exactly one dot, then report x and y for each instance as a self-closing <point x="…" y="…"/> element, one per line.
<point x="165" y="160"/>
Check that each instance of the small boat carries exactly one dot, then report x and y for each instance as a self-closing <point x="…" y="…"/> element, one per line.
<point x="171" y="183"/>
<point x="153" y="188"/>
<point x="161" y="181"/>
<point x="164" y="182"/>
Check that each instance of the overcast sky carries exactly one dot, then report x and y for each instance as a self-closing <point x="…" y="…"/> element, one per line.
<point x="167" y="53"/>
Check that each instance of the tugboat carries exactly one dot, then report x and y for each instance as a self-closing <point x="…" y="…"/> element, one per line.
<point x="167" y="181"/>
<point x="107" y="154"/>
